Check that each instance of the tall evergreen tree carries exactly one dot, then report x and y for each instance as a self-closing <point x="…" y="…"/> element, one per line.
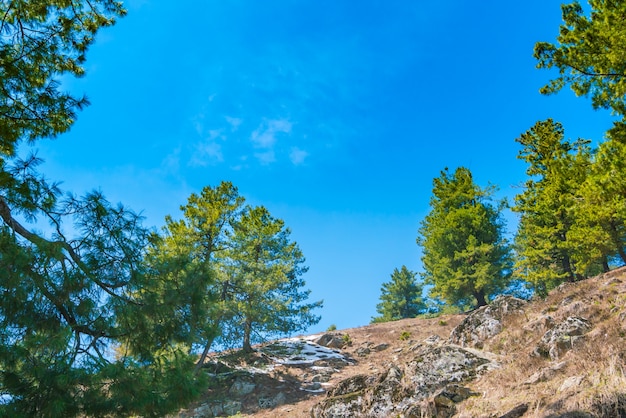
<point x="546" y="252"/>
<point x="589" y="53"/>
<point x="192" y="291"/>
<point x="265" y="267"/>
<point x="600" y="229"/>
<point x="465" y="254"/>
<point x="227" y="274"/>
<point x="401" y="297"/>
<point x="69" y="292"/>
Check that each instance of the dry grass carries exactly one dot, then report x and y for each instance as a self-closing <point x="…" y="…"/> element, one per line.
<point x="590" y="377"/>
<point x="593" y="374"/>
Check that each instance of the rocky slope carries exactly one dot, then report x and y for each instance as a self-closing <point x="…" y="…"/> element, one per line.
<point x="563" y="356"/>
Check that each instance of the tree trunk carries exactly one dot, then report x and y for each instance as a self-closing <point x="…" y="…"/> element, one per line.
<point x="204" y="355"/>
<point x="247" y="330"/>
<point x="617" y="242"/>
<point x="605" y="264"/>
<point x="480" y="299"/>
<point x="567" y="267"/>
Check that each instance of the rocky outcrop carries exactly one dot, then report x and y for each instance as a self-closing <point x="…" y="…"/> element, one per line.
<point x="562" y="337"/>
<point x="430" y="384"/>
<point x="485" y="322"/>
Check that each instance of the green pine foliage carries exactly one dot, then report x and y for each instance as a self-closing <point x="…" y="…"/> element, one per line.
<point x="70" y="293"/>
<point x="589" y="54"/>
<point x="228" y="274"/>
<point x="40" y="42"/>
<point x="547" y="252"/>
<point x="265" y="267"/>
<point x="465" y="255"/>
<point x="401" y="297"/>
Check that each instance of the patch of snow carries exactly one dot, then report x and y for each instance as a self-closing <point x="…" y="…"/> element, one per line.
<point x="313" y="390"/>
<point x="300" y="351"/>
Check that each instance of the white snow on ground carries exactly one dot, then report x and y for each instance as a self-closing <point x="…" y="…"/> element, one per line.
<point x="300" y="351"/>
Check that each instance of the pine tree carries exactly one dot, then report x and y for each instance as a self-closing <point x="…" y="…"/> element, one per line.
<point x="600" y="229"/>
<point x="265" y="267"/>
<point x="227" y="274"/>
<point x="465" y="255"/>
<point x="400" y="298"/>
<point x="70" y="293"/>
<point x="546" y="251"/>
<point x="589" y="53"/>
<point x="193" y="292"/>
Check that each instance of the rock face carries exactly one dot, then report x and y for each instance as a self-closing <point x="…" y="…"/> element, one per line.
<point x="485" y="322"/>
<point x="562" y="337"/>
<point x="429" y="384"/>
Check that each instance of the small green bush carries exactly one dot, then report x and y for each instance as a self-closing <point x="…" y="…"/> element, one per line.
<point x="405" y="335"/>
<point x="332" y="327"/>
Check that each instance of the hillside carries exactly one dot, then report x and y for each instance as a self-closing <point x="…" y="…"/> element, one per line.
<point x="563" y="356"/>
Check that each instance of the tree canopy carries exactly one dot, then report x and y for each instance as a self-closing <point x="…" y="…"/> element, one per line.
<point x="235" y="271"/>
<point x="401" y="297"/>
<point x="71" y="268"/>
<point x="39" y="43"/>
<point x="557" y="168"/>
<point x="465" y="254"/>
<point x="589" y="54"/>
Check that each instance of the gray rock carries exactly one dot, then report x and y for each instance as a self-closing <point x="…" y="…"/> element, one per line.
<point x="362" y="351"/>
<point x="435" y="371"/>
<point x="380" y="347"/>
<point x="562" y="337"/>
<point x="485" y="322"/>
<point x="331" y="341"/>
<point x="545" y="374"/>
<point x="242" y="386"/>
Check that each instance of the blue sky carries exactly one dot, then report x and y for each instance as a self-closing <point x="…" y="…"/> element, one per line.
<point x="335" y="115"/>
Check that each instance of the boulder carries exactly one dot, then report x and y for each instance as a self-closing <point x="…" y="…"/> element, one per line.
<point x="430" y="382"/>
<point x="562" y="337"/>
<point x="242" y="386"/>
<point x="331" y="340"/>
<point x="436" y="367"/>
<point x="485" y="322"/>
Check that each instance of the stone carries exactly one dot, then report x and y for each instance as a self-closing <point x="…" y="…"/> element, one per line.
<point x="485" y="322"/>
<point x="232" y="407"/>
<point x="436" y="367"/>
<point x="562" y="337"/>
<point x="541" y="324"/>
<point x="571" y="382"/>
<point x="516" y="412"/>
<point x="331" y="341"/>
<point x="242" y="386"/>
<point x="362" y="351"/>
<point x="435" y="371"/>
<point x="545" y="374"/>
<point x="380" y="347"/>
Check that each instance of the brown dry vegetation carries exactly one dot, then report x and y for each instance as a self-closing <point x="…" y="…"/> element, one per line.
<point x="587" y="380"/>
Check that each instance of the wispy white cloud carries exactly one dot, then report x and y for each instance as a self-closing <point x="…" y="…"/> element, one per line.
<point x="266" y="157"/>
<point x="265" y="135"/>
<point x="171" y="163"/>
<point x="297" y="155"/>
<point x="233" y="122"/>
<point x="207" y="152"/>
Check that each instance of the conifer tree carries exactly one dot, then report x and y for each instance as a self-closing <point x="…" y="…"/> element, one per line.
<point x="589" y="53"/>
<point x="465" y="255"/>
<point x="70" y="293"/>
<point x="265" y="267"/>
<point x="547" y="254"/>
<point x="193" y="292"/>
<point x="600" y="229"/>
<point x="401" y="297"/>
<point x="228" y="274"/>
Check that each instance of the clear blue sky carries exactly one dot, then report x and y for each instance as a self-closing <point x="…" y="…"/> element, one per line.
<point x="335" y="115"/>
